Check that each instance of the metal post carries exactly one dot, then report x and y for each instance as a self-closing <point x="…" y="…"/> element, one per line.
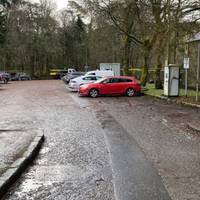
<point x="86" y="56"/>
<point x="186" y="82"/>
<point x="198" y="68"/>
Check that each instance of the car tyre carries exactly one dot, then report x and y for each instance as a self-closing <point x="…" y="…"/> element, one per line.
<point x="93" y="93"/>
<point x="130" y="92"/>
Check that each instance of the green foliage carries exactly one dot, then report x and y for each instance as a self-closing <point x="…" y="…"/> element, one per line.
<point x="137" y="73"/>
<point x="127" y="72"/>
<point x="151" y="90"/>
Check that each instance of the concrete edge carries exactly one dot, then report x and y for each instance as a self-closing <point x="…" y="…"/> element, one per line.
<point x="175" y="101"/>
<point x="193" y="127"/>
<point x="21" y="164"/>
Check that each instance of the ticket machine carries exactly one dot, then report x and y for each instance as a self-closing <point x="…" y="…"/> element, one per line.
<point x="171" y="81"/>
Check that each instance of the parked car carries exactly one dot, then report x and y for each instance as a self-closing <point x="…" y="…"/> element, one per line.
<point x="13" y="76"/>
<point x="75" y="83"/>
<point x="101" y="73"/>
<point x="1" y="79"/>
<point x="72" y="75"/>
<point x="68" y="71"/>
<point x="122" y="85"/>
<point x="59" y="73"/>
<point x="21" y="76"/>
<point x="5" y="77"/>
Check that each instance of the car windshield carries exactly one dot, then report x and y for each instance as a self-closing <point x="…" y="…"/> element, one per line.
<point x="100" y="80"/>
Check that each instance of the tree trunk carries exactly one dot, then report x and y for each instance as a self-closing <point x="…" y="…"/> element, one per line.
<point x="127" y="44"/>
<point x="158" y="67"/>
<point x="159" y="52"/>
<point x="145" y="72"/>
<point x="158" y="82"/>
<point x="147" y="50"/>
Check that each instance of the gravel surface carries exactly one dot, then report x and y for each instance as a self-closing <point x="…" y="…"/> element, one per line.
<point x="12" y="146"/>
<point x="15" y="131"/>
<point x="74" y="162"/>
<point x="162" y="133"/>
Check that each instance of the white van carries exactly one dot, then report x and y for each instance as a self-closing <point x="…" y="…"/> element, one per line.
<point x="101" y="73"/>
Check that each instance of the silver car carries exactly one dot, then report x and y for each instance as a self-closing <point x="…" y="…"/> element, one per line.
<point x="75" y="83"/>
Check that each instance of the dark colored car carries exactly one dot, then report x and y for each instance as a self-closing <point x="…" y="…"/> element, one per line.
<point x="5" y="77"/>
<point x="1" y="79"/>
<point x="21" y="76"/>
<point x="122" y="85"/>
<point x="72" y="75"/>
<point x="13" y="76"/>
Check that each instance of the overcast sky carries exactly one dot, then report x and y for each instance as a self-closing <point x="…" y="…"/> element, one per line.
<point x="60" y="3"/>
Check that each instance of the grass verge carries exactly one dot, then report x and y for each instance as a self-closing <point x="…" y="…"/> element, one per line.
<point x="191" y="96"/>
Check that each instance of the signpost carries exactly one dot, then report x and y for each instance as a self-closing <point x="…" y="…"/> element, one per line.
<point x="86" y="67"/>
<point x="186" y="66"/>
<point x="198" y="69"/>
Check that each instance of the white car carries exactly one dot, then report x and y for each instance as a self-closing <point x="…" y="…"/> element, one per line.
<point x="75" y="83"/>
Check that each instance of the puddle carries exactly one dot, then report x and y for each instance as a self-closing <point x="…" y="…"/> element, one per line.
<point x="58" y="173"/>
<point x="29" y="185"/>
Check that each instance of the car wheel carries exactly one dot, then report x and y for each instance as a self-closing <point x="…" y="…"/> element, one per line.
<point x="130" y="92"/>
<point x="93" y="93"/>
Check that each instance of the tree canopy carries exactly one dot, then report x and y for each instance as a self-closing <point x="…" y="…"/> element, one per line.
<point x="136" y="33"/>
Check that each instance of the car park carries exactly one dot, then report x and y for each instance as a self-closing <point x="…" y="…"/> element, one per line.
<point x="72" y="75"/>
<point x="75" y="83"/>
<point x="120" y="85"/>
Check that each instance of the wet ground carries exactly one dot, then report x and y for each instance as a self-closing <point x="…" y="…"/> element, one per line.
<point x="160" y="129"/>
<point x="74" y="162"/>
<point x="12" y="146"/>
<point x="105" y="148"/>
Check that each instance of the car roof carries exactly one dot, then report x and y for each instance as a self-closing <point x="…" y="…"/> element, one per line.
<point x="128" y="77"/>
<point x="90" y="76"/>
<point x="86" y="76"/>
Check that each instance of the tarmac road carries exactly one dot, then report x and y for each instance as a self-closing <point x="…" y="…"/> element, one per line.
<point x="106" y="148"/>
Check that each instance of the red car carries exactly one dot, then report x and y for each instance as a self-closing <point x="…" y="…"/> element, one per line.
<point x="122" y="85"/>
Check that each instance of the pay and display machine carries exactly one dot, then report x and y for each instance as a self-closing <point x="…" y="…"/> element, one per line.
<point x="171" y="81"/>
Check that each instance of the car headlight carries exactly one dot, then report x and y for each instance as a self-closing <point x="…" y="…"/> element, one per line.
<point x="84" y="86"/>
